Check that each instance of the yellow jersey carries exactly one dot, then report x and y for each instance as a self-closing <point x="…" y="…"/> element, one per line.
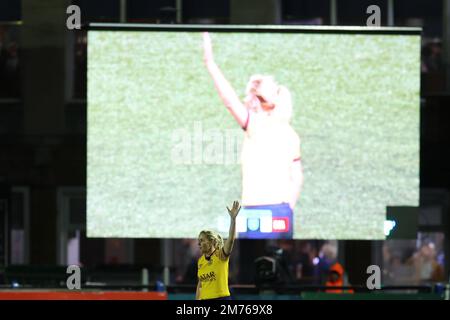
<point x="213" y="275"/>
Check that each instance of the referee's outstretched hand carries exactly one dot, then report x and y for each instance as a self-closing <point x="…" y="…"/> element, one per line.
<point x="234" y="210"/>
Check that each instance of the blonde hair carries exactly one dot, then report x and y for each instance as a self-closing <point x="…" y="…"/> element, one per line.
<point x="272" y="92"/>
<point x="213" y="238"/>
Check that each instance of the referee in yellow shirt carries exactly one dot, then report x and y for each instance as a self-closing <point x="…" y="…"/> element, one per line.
<point x="213" y="264"/>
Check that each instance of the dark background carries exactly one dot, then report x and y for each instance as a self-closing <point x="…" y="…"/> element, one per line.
<point x="43" y="122"/>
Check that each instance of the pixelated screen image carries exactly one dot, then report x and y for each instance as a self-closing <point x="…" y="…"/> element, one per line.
<point x="316" y="134"/>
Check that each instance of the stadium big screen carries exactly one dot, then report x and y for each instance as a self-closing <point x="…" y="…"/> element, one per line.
<point x="315" y="133"/>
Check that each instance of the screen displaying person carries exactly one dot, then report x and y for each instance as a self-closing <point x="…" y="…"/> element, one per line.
<point x="272" y="171"/>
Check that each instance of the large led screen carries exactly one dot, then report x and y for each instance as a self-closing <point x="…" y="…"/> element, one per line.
<point x="315" y="131"/>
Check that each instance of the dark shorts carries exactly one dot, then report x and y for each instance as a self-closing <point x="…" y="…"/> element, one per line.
<point x="221" y="298"/>
<point x="275" y="221"/>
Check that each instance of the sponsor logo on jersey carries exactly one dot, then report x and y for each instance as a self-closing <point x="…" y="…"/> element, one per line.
<point x="208" y="277"/>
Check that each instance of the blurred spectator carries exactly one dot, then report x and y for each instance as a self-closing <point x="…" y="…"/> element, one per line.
<point x="286" y="250"/>
<point x="327" y="257"/>
<point x="397" y="272"/>
<point x="427" y="268"/>
<point x="335" y="278"/>
<point x="414" y="262"/>
<point x="304" y="268"/>
<point x="432" y="57"/>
